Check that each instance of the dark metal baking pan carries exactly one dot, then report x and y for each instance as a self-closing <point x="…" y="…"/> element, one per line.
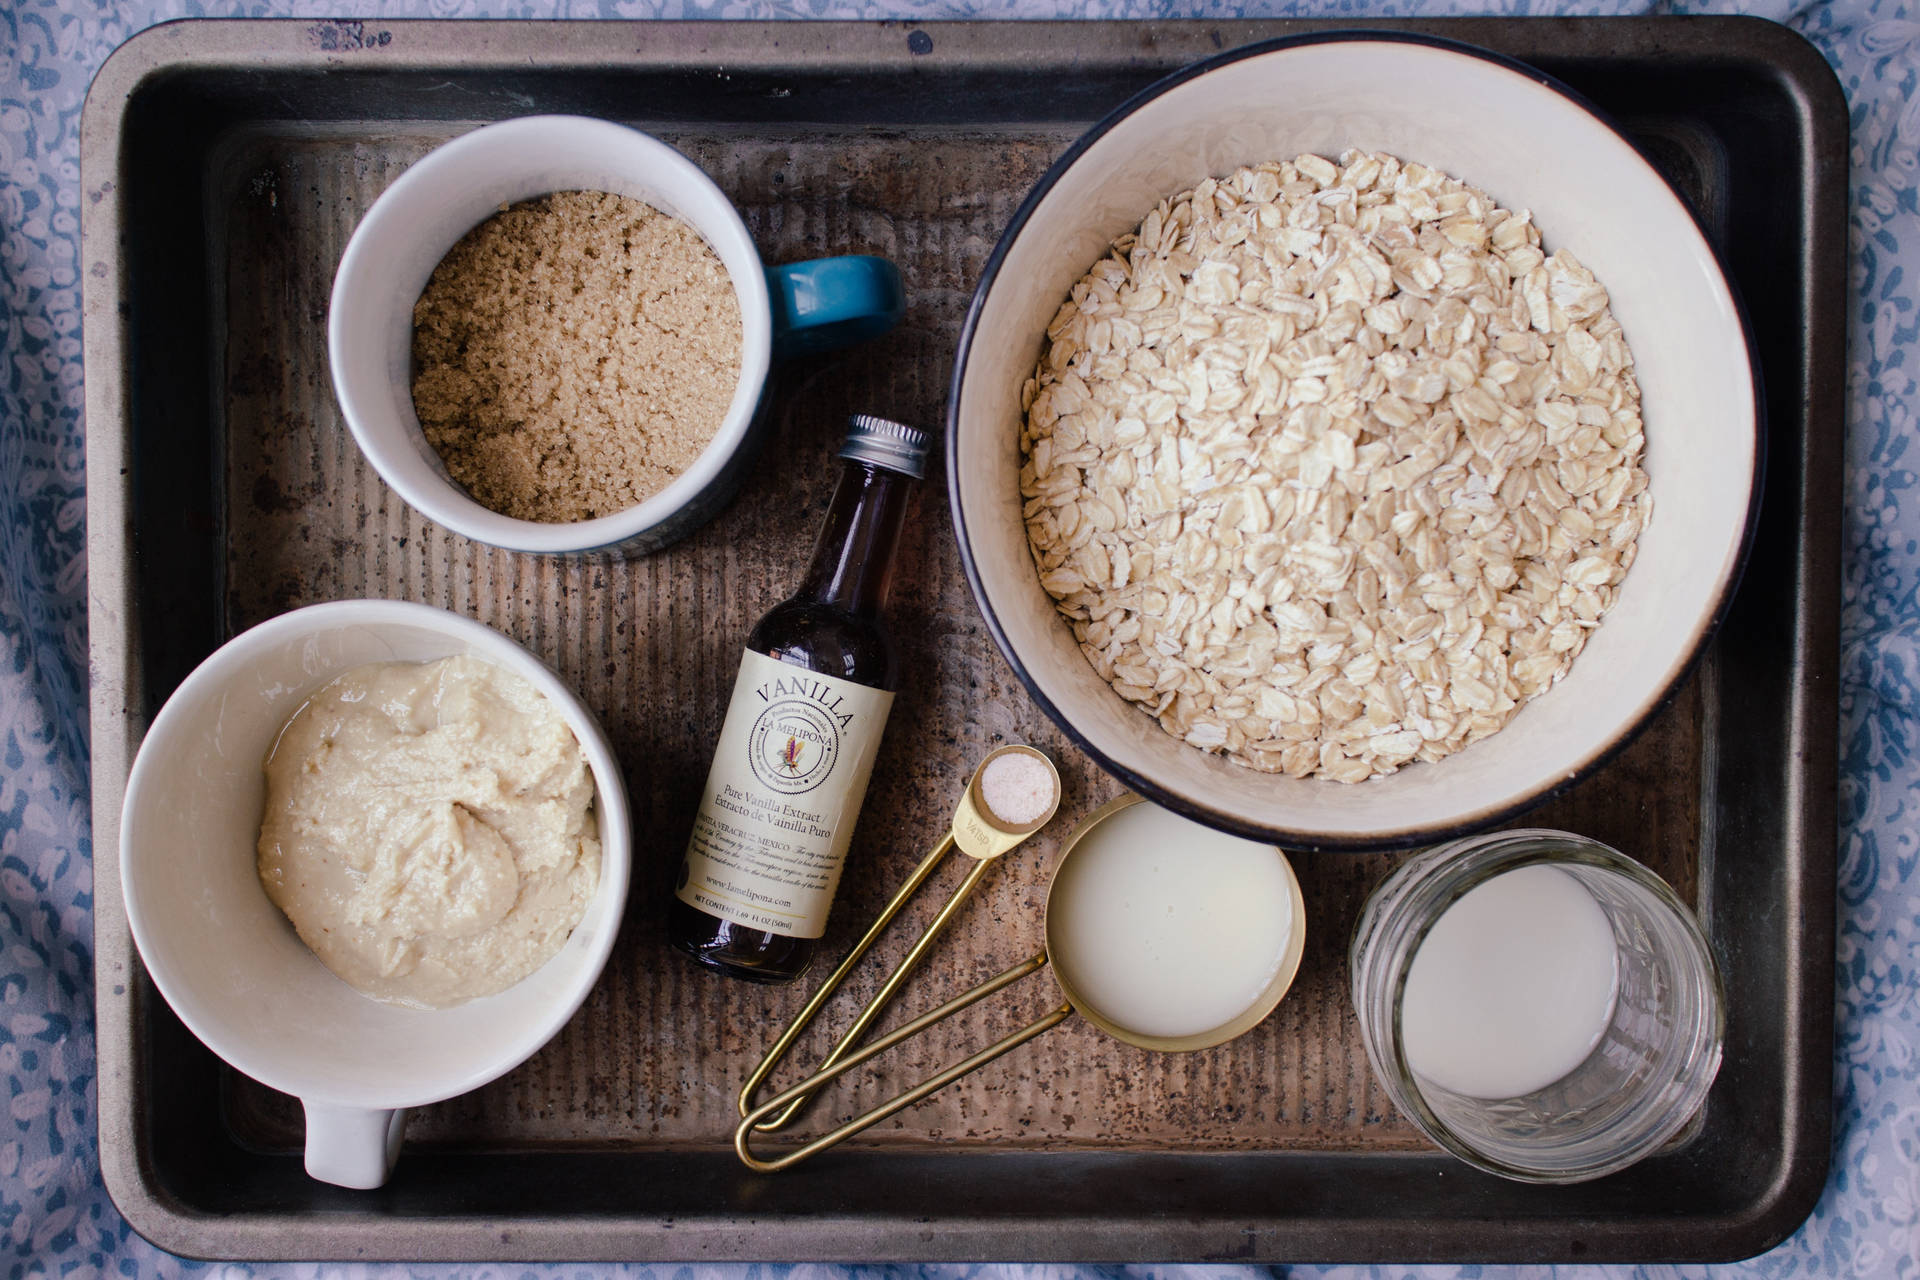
<point x="224" y="163"/>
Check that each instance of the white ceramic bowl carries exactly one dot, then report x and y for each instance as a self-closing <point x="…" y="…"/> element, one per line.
<point x="228" y="961"/>
<point x="425" y="212"/>
<point x="787" y="310"/>
<point x="1530" y="143"/>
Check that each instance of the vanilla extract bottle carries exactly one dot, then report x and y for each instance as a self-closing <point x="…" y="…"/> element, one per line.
<point x="801" y="733"/>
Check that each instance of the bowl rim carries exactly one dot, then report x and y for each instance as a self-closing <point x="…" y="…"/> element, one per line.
<point x="448" y="504"/>
<point x="1405" y="836"/>
<point x="209" y="678"/>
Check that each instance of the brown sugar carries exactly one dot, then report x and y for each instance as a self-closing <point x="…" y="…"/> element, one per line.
<point x="573" y="354"/>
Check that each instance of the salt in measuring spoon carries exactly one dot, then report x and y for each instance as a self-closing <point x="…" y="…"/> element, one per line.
<point x="1025" y="786"/>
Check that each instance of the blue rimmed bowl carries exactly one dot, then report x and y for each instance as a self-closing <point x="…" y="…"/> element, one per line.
<point x="1532" y="144"/>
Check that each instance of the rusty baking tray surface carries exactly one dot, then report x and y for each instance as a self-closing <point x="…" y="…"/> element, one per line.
<point x="225" y="164"/>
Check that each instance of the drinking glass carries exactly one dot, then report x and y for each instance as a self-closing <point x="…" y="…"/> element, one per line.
<point x="1651" y="1067"/>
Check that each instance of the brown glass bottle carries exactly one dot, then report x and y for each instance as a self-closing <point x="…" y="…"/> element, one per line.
<point x="831" y="626"/>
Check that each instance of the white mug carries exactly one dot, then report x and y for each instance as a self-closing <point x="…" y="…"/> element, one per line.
<point x="231" y="965"/>
<point x="785" y="311"/>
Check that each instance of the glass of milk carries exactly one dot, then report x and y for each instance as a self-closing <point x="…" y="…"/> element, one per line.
<point x="1540" y="1005"/>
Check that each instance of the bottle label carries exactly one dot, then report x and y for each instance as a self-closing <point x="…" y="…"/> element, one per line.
<point x="781" y="799"/>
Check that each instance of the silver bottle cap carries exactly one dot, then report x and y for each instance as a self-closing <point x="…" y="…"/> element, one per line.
<point x="892" y="445"/>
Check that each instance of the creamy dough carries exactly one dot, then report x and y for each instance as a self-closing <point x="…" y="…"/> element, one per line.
<point x="430" y="829"/>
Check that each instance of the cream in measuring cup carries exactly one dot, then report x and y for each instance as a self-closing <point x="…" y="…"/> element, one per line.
<point x="1167" y="929"/>
<point x="1165" y="934"/>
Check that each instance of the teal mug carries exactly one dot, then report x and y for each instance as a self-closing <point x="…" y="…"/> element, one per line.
<point x="785" y="311"/>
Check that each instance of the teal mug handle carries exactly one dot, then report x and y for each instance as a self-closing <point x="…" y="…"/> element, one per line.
<point x="830" y="302"/>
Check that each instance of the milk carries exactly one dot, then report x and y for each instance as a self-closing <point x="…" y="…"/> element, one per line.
<point x="1167" y="928"/>
<point x="1512" y="988"/>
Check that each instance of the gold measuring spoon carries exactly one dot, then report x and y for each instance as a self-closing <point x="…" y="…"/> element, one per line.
<point x="1165" y="934"/>
<point x="982" y="835"/>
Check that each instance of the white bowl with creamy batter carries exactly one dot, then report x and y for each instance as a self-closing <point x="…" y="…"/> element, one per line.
<point x="231" y="965"/>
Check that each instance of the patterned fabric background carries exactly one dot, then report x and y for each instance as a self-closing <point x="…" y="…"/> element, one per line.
<point x="55" y="1219"/>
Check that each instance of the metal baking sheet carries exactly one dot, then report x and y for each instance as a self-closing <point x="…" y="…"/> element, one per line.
<point x="225" y="163"/>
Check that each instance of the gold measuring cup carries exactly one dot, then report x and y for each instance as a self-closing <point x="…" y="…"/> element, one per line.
<point x="1070" y="973"/>
<point x="979" y="833"/>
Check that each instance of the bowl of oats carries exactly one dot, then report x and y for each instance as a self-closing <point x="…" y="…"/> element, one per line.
<point x="1353" y="440"/>
<point x="554" y="333"/>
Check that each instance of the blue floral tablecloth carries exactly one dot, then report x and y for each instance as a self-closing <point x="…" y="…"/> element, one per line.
<point x="55" y="1218"/>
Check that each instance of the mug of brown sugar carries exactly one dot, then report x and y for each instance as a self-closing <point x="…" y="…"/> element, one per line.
<point x="554" y="334"/>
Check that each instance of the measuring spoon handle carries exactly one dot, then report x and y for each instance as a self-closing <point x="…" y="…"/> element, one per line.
<point x="839" y="975"/>
<point x="888" y="989"/>
<point x="743" y="1134"/>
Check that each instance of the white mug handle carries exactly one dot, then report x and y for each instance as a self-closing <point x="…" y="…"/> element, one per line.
<point x="352" y="1146"/>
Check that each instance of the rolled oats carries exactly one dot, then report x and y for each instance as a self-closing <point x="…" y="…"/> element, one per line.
<point x="1331" y="467"/>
